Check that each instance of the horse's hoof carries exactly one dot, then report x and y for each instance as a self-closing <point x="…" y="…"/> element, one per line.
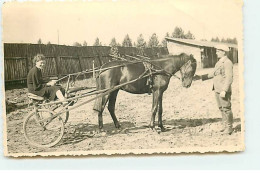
<point x="163" y="129"/>
<point x="100" y="130"/>
<point x="152" y="127"/>
<point x="118" y="126"/>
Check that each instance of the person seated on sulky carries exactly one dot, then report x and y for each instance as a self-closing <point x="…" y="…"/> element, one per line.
<point x="40" y="87"/>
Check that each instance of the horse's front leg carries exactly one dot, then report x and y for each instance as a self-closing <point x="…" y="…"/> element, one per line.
<point x="154" y="109"/>
<point x="160" y="124"/>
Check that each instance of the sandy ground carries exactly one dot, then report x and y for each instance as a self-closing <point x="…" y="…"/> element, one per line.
<point x="190" y="116"/>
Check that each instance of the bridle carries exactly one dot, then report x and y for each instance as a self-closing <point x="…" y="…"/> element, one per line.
<point x="185" y="70"/>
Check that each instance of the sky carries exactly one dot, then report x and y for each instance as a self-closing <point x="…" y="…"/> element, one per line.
<point x="26" y="22"/>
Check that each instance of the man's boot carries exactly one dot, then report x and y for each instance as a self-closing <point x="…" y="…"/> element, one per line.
<point x="223" y="121"/>
<point x="229" y="121"/>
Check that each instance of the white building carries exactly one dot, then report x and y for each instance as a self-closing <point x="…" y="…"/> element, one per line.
<point x="203" y="51"/>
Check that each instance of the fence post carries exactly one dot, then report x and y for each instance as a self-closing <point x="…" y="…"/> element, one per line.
<point x="57" y="61"/>
<point x="93" y="67"/>
<point x="81" y="66"/>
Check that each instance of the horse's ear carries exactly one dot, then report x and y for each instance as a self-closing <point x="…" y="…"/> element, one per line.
<point x="191" y="56"/>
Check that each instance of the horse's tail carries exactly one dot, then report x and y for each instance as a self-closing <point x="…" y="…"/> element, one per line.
<point x="98" y="102"/>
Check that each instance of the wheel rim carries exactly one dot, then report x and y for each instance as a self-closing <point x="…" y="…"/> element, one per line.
<point x="43" y="136"/>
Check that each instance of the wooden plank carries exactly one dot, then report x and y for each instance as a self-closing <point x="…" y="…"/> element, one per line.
<point x="16" y="58"/>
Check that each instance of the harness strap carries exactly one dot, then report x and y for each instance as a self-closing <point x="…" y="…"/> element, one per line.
<point x="148" y="67"/>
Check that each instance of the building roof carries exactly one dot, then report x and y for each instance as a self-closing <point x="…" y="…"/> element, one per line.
<point x="198" y="43"/>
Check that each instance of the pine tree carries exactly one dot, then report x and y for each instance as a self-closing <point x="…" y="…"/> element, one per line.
<point x="178" y="33"/>
<point x="85" y="43"/>
<point x="97" y="42"/>
<point x="127" y="42"/>
<point x="113" y="42"/>
<point x="39" y="41"/>
<point x="189" y="35"/>
<point x="235" y="40"/>
<point x="164" y="42"/>
<point x="153" y="42"/>
<point x="140" y="42"/>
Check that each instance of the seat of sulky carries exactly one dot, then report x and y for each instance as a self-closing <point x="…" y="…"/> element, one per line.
<point x="35" y="97"/>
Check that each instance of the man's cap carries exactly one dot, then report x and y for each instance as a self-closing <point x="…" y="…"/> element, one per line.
<point x="222" y="47"/>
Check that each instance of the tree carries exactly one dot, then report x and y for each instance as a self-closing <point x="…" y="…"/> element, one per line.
<point x="127" y="42"/>
<point x="164" y="42"/>
<point x="40" y="41"/>
<point x="153" y="42"/>
<point x="215" y="39"/>
<point x="85" y="43"/>
<point x="140" y="42"/>
<point x="189" y="35"/>
<point x="113" y="42"/>
<point x="77" y="44"/>
<point x="178" y="33"/>
<point x="229" y="40"/>
<point x="48" y="43"/>
<point x="235" y="40"/>
<point x="97" y="42"/>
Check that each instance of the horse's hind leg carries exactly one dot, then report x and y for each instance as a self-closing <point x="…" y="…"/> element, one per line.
<point x="160" y="124"/>
<point x="111" y="107"/>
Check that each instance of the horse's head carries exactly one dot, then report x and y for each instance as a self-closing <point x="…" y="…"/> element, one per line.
<point x="188" y="70"/>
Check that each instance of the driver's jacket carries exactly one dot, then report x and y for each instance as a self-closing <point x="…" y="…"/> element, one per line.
<point x="222" y="75"/>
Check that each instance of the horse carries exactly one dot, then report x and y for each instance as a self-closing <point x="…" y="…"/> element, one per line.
<point x="119" y="72"/>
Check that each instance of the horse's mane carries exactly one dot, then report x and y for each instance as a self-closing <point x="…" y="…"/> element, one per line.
<point x="181" y="55"/>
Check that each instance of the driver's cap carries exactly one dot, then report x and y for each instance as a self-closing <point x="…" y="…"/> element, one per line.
<point x="222" y="47"/>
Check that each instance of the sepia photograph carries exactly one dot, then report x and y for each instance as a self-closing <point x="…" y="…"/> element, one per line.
<point x="123" y="77"/>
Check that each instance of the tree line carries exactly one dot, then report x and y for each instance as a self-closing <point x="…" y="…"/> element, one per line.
<point x="140" y="41"/>
<point x="152" y="42"/>
<point x="223" y="40"/>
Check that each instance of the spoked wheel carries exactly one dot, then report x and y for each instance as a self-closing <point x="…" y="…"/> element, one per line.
<point x="41" y="133"/>
<point x="64" y="116"/>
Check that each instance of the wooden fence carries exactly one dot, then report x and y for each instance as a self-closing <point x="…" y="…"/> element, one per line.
<point x="60" y="59"/>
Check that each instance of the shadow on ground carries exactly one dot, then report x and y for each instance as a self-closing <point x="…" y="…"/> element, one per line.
<point x="79" y="132"/>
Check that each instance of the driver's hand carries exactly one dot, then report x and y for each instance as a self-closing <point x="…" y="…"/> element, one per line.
<point x="51" y="83"/>
<point x="223" y="94"/>
<point x="54" y="81"/>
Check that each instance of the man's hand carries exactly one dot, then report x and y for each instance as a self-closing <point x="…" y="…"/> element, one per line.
<point x="196" y="77"/>
<point x="222" y="94"/>
<point x="51" y="83"/>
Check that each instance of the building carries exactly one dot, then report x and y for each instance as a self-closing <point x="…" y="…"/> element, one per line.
<point x="203" y="51"/>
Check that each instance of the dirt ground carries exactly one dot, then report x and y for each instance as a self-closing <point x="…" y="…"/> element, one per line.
<point x="190" y="116"/>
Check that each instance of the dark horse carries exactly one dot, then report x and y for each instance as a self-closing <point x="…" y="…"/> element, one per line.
<point x="168" y="64"/>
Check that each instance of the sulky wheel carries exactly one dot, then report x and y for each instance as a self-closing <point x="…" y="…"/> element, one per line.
<point x="39" y="133"/>
<point x="58" y="108"/>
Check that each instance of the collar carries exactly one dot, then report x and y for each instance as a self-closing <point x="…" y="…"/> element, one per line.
<point x="222" y="59"/>
<point x="38" y="68"/>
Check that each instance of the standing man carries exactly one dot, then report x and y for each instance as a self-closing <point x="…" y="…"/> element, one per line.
<point x="222" y="79"/>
